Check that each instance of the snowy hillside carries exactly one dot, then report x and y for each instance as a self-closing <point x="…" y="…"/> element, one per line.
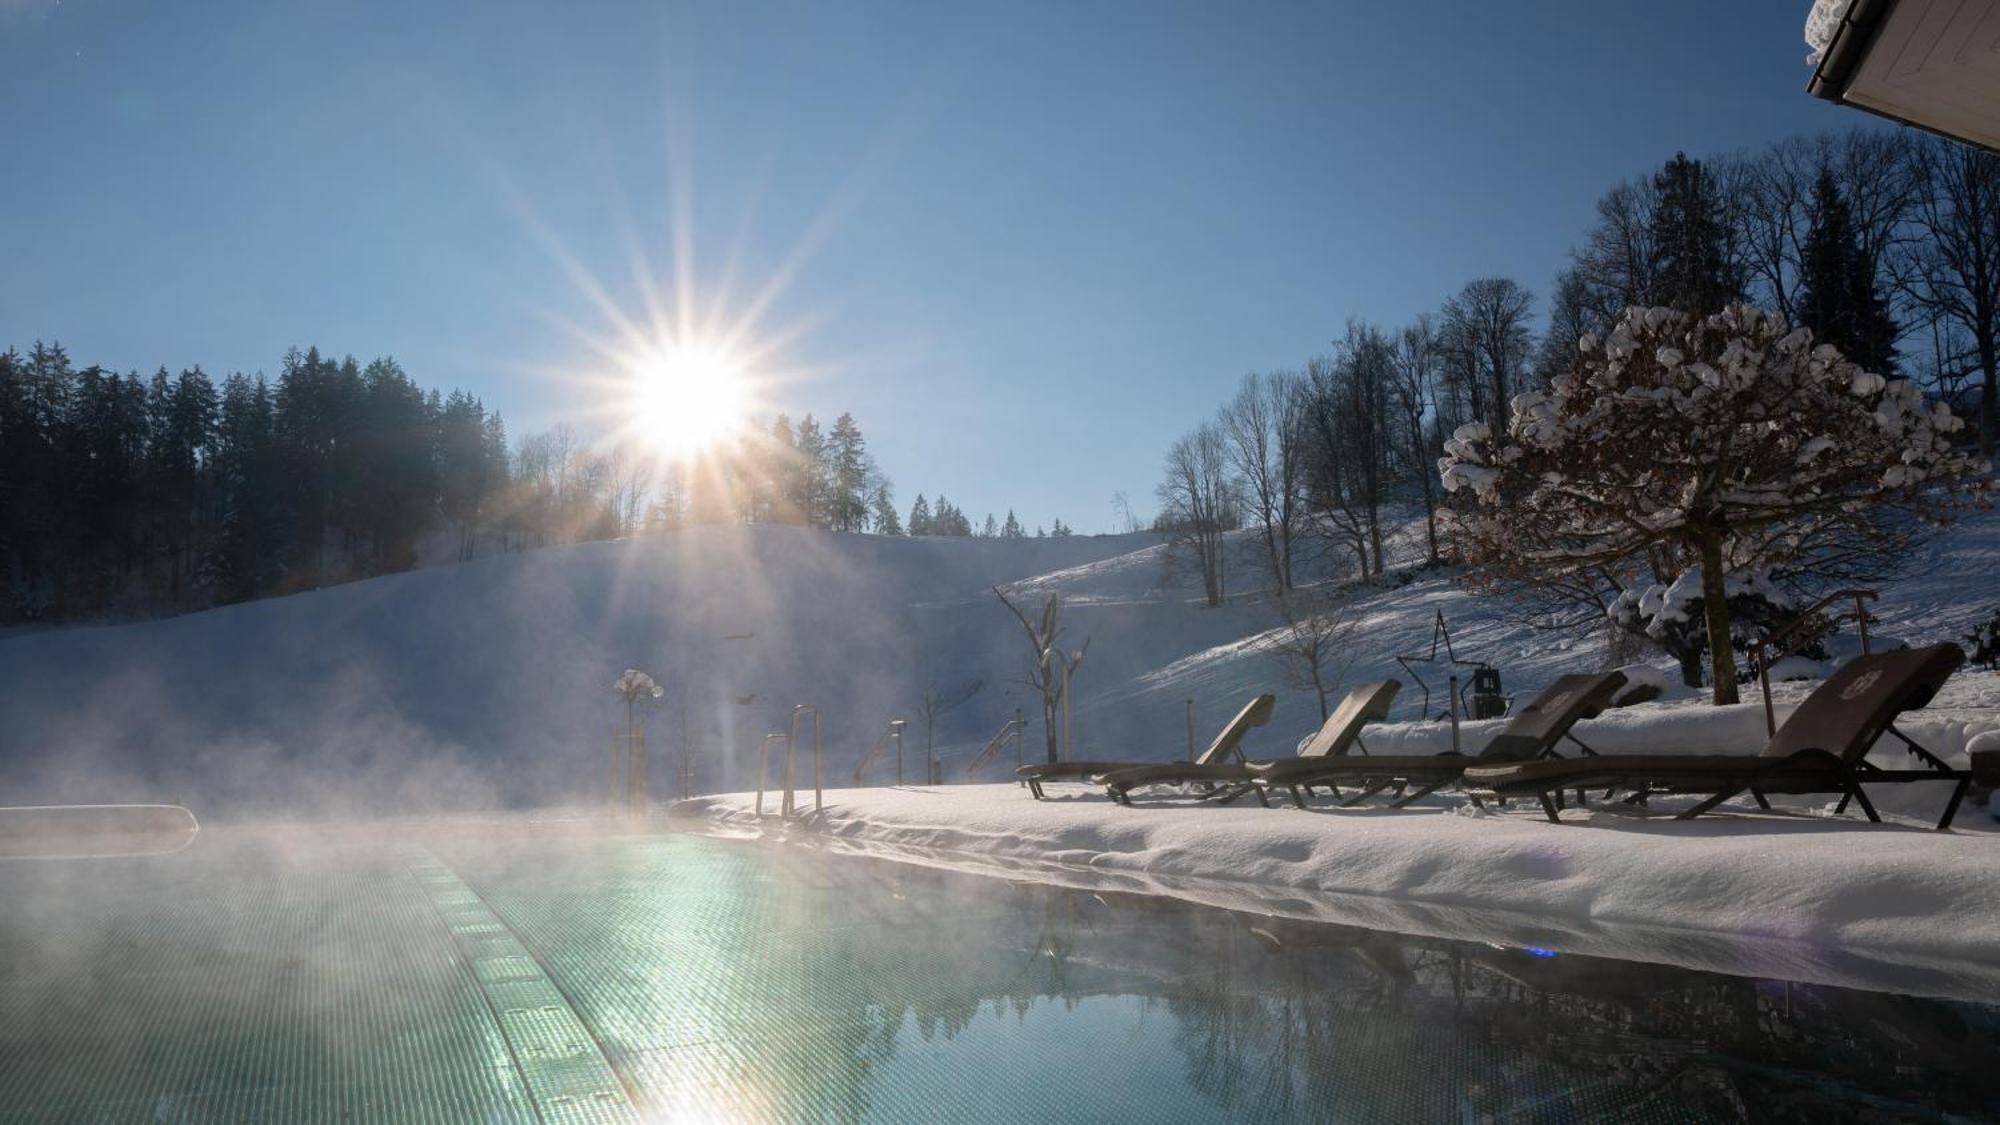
<point x="489" y="683"/>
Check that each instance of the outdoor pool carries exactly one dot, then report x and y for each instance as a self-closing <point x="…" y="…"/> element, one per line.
<point x="531" y="973"/>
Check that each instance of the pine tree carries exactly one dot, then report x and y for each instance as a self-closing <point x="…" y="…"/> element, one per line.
<point x="809" y="492"/>
<point x="1690" y="237"/>
<point x="920" y="516"/>
<point x="947" y="519"/>
<point x="847" y="476"/>
<point x="1839" y="301"/>
<point x="991" y="529"/>
<point x="1059" y="530"/>
<point x="1012" y="528"/>
<point x="884" y="504"/>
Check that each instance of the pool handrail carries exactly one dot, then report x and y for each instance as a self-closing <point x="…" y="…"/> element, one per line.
<point x="791" y="751"/>
<point x="763" y="762"/>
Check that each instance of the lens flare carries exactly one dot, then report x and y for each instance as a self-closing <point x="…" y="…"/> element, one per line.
<point x="686" y="396"/>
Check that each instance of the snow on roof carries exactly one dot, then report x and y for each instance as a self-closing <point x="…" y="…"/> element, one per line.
<point x="1821" y="23"/>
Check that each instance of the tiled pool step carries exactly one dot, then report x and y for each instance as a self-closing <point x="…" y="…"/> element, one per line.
<point x="565" y="1070"/>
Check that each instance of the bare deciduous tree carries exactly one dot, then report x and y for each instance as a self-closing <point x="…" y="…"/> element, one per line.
<point x="938" y="701"/>
<point x="1349" y="423"/>
<point x="1488" y="322"/>
<point x="1049" y="669"/>
<point x="1197" y="504"/>
<point x="1261" y="428"/>
<point x="1952" y="272"/>
<point x="1413" y="396"/>
<point x="1311" y="643"/>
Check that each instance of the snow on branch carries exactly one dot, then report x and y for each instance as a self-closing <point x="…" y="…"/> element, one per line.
<point x="1726" y="423"/>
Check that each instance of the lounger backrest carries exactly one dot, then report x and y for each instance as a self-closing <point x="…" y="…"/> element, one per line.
<point x="1846" y="714"/>
<point x="1543" y="721"/>
<point x="1366" y="704"/>
<point x="1255" y="713"/>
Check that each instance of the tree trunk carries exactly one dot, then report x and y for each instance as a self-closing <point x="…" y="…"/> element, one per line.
<point x="1989" y="360"/>
<point x="1430" y="521"/>
<point x="1715" y="607"/>
<point x="1375" y="535"/>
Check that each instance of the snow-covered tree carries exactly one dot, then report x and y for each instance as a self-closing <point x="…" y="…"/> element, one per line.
<point x="1674" y="616"/>
<point x="635" y="689"/>
<point x="1727" y="442"/>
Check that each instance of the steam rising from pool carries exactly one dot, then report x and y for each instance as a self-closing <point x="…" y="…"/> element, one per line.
<point x="484" y="685"/>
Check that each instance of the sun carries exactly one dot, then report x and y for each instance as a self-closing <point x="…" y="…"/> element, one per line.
<point x="686" y="396"/>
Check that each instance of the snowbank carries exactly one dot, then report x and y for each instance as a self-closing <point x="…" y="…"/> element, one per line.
<point x="1893" y="907"/>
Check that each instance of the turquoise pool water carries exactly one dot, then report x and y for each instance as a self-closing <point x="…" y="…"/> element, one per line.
<point x="534" y="975"/>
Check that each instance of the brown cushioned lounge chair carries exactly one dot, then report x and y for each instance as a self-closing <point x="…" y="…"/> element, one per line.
<point x="1255" y="713"/>
<point x="1821" y="748"/>
<point x="1532" y="732"/>
<point x="1340" y="732"/>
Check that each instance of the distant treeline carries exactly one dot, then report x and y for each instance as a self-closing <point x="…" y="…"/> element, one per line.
<point x="130" y="496"/>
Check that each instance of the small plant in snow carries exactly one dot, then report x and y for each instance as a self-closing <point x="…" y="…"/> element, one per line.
<point x="1727" y="442"/>
<point x="1986" y="642"/>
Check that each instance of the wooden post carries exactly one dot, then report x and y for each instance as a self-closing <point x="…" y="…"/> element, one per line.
<point x="635" y="793"/>
<point x="1454" y="715"/>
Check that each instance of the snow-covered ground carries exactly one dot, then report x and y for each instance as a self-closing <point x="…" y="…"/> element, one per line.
<point x="489" y="683"/>
<point x="1892" y="907"/>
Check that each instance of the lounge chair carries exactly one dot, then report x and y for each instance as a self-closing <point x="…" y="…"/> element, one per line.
<point x="1821" y="748"/>
<point x="1340" y="732"/>
<point x="1255" y="713"/>
<point x="1532" y="732"/>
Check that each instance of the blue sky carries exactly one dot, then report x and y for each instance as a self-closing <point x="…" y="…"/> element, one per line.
<point x="1027" y="245"/>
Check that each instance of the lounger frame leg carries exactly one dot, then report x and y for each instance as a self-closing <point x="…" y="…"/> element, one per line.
<point x="1416" y="794"/>
<point x="1035" y="787"/>
<point x="1710" y="803"/>
<point x="1366" y="792"/>
<point x="1860" y="798"/>
<point x="1549" y="808"/>
<point x="1951" y="806"/>
<point x="1761" y="802"/>
<point x="1297" y="800"/>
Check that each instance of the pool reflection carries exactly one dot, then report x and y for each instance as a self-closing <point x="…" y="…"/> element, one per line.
<point x="834" y="987"/>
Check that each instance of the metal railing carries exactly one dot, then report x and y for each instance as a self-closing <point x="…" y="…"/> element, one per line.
<point x="892" y="736"/>
<point x="791" y="752"/>
<point x="1013" y="728"/>
<point x="1795" y="636"/>
<point x="763" y="767"/>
